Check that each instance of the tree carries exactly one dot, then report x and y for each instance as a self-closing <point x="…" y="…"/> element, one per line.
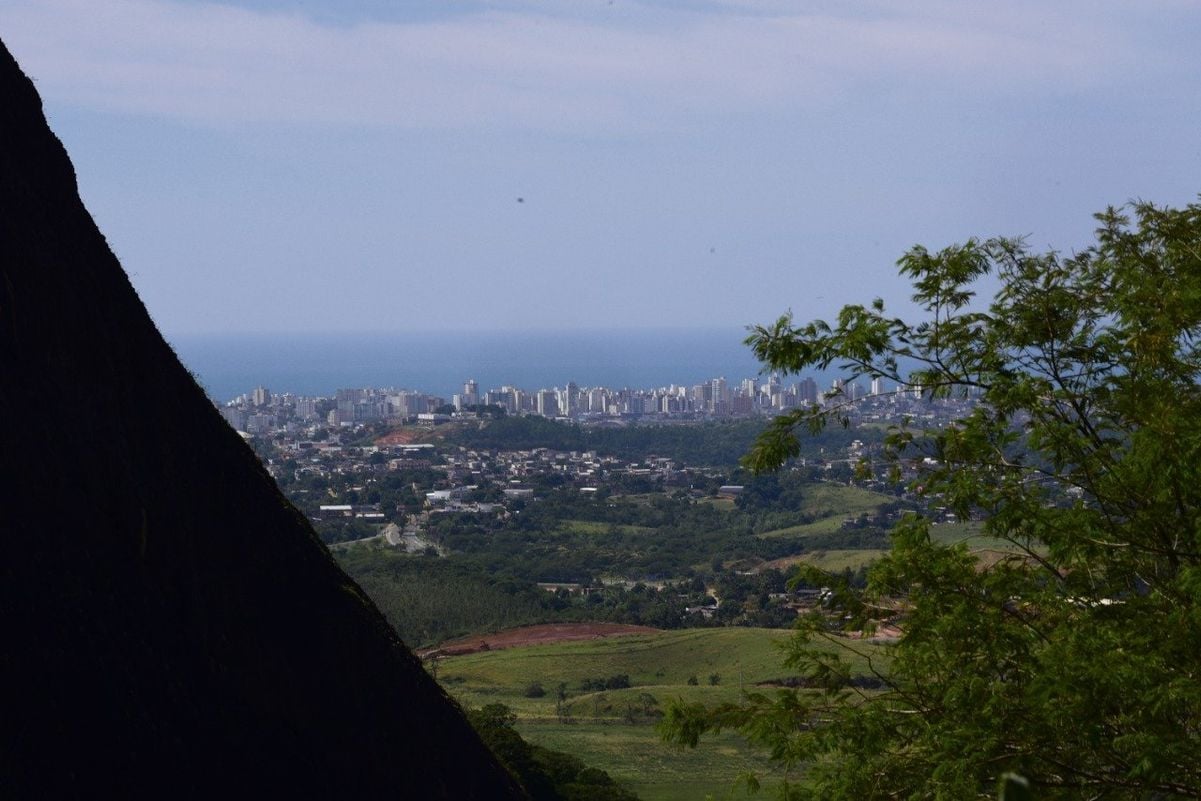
<point x="1073" y="660"/>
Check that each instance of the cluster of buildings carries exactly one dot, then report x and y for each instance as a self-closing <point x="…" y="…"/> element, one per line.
<point x="260" y="411"/>
<point x="580" y="467"/>
<point x="509" y="475"/>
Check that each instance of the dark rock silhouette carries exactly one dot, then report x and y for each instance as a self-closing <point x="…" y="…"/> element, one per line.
<point x="169" y="625"/>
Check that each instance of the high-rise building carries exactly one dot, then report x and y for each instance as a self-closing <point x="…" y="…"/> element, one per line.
<point x="598" y="400"/>
<point x="306" y="408"/>
<point x="547" y="403"/>
<point x="503" y="398"/>
<point x="261" y="396"/>
<point x="807" y="390"/>
<point x="407" y="404"/>
<point x="259" y="423"/>
<point x="721" y="393"/>
<point x="570" y="405"/>
<point x="235" y="417"/>
<point x="471" y="393"/>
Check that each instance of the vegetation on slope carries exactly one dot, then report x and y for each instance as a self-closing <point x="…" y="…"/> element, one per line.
<point x="614" y="728"/>
<point x="678" y="548"/>
<point x="714" y="444"/>
<point x="546" y="774"/>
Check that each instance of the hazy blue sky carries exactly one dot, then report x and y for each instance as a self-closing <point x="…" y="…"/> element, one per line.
<point x="339" y="165"/>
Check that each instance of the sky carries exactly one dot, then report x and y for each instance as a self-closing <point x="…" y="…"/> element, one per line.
<point x="466" y="165"/>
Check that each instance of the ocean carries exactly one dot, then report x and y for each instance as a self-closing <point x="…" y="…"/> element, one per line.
<point x="439" y="362"/>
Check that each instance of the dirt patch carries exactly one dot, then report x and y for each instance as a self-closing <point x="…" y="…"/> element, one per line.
<point x="783" y="563"/>
<point x="533" y="635"/>
<point x="400" y="436"/>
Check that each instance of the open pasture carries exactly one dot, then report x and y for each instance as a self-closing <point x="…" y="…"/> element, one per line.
<point x="613" y="729"/>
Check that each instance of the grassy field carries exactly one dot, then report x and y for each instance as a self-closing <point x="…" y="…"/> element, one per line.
<point x="837" y="560"/>
<point x="656" y="771"/>
<point x="659" y="665"/>
<point x="718" y="503"/>
<point x="594" y="527"/>
<point x="971" y="533"/>
<point x="831" y="504"/>
<point x="832" y="561"/>
<point x="662" y="661"/>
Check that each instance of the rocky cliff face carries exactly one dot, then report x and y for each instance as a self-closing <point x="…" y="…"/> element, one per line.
<point x="170" y="625"/>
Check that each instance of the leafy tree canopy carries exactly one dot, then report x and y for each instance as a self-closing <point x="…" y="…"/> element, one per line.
<point x="1073" y="659"/>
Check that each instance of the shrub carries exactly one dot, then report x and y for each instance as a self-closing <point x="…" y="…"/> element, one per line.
<point x="617" y="682"/>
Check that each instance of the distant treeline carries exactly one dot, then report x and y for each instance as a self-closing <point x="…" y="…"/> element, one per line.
<point x="718" y="444"/>
<point x="715" y="444"/>
<point x="429" y="600"/>
<point x="489" y="578"/>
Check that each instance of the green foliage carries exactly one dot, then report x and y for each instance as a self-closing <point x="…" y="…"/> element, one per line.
<point x="1072" y="660"/>
<point x="718" y="444"/>
<point x="599" y="729"/>
<point x="568" y="536"/>
<point x="429" y="600"/>
<point x="618" y="681"/>
<point x="487" y="580"/>
<point x="344" y="529"/>
<point x="656" y="771"/>
<point x="1014" y="788"/>
<point x="523" y="433"/>
<point x="649" y="660"/>
<point x="547" y="775"/>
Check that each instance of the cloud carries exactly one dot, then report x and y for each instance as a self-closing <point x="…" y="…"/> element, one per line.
<point x="644" y="66"/>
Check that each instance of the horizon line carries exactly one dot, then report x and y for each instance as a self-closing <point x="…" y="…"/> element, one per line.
<point x="435" y="332"/>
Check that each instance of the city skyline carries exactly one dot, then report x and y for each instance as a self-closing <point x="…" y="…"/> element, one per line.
<point x="261" y="411"/>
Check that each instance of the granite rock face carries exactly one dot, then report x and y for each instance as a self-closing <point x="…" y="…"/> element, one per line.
<point x="169" y="625"/>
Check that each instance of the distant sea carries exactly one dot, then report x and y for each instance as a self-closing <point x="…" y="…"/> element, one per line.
<point x="439" y="362"/>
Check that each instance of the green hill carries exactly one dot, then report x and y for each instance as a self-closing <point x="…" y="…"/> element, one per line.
<point x="831" y="505"/>
<point x="613" y="729"/>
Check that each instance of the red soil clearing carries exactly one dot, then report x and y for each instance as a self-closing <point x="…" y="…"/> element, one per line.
<point x="400" y="437"/>
<point x="534" y="635"/>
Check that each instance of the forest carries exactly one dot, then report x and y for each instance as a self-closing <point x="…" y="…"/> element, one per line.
<point x="709" y="444"/>
<point x="640" y="559"/>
